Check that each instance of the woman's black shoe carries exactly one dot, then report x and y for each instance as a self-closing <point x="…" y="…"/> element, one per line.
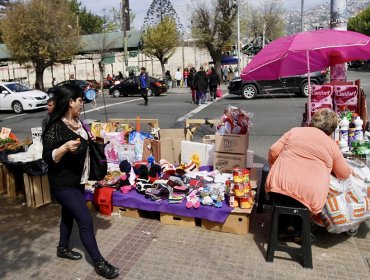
<point x="68" y="254"/>
<point x="105" y="269"/>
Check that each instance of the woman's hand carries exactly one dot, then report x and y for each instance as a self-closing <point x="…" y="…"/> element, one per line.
<point x="72" y="145"/>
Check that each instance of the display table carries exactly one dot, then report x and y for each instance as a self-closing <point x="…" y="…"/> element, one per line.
<point x="134" y="200"/>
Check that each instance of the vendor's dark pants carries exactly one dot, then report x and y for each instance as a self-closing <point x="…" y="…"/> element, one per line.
<point x="74" y="207"/>
<point x="212" y="91"/>
<point x="144" y="94"/>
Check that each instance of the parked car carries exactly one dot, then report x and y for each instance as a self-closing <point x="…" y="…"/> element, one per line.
<point x="129" y="86"/>
<point x="85" y="85"/>
<point x="18" y="97"/>
<point x="293" y="84"/>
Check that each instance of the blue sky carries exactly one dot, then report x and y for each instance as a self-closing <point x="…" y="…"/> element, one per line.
<point x="182" y="7"/>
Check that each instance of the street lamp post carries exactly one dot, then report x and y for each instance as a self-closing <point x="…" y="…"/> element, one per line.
<point x="125" y="55"/>
<point x="238" y="30"/>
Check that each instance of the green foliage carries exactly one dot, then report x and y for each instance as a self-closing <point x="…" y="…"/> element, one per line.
<point x="158" y="10"/>
<point x="49" y="37"/>
<point x="213" y="26"/>
<point x="88" y="22"/>
<point x="361" y="22"/>
<point x="161" y="40"/>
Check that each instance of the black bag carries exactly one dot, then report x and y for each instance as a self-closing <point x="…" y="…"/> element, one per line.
<point x="98" y="161"/>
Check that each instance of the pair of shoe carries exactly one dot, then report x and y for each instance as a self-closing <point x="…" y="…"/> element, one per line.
<point x="105" y="269"/>
<point x="66" y="253"/>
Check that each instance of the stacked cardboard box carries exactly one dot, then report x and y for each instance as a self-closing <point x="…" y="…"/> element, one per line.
<point x="230" y="151"/>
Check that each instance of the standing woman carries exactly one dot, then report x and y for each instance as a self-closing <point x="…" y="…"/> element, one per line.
<point x="192" y="85"/>
<point x="213" y="81"/>
<point x="65" y="150"/>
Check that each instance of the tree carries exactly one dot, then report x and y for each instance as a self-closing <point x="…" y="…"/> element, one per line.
<point x="158" y="10"/>
<point x="115" y="19"/>
<point x="212" y="27"/>
<point x="45" y="39"/>
<point x="160" y="41"/>
<point x="88" y="22"/>
<point x="361" y="22"/>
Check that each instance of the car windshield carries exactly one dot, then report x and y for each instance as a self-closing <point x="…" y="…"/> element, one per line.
<point x="17" y="87"/>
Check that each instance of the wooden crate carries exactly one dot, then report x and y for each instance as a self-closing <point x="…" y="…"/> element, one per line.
<point x="237" y="222"/>
<point x="9" y="183"/>
<point x="3" y="188"/>
<point x="37" y="190"/>
<point x="126" y="212"/>
<point x="171" y="219"/>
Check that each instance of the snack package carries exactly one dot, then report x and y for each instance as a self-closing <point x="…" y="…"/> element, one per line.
<point x="345" y="96"/>
<point x="321" y="97"/>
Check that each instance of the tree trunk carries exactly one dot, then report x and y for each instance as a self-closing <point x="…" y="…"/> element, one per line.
<point x="163" y="69"/>
<point x="39" y="83"/>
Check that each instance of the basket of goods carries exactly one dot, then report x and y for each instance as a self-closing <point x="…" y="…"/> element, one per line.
<point x="9" y="143"/>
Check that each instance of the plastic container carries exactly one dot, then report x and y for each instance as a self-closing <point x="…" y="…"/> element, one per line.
<point x="343" y="146"/>
<point x="344" y="126"/>
<point x="351" y="134"/>
<point x="359" y="133"/>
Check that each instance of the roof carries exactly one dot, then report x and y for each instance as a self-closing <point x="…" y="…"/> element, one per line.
<point x="95" y="43"/>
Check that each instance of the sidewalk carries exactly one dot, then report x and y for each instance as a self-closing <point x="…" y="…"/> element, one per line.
<point x="144" y="248"/>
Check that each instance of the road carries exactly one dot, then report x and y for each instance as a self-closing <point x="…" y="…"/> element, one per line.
<point x="273" y="115"/>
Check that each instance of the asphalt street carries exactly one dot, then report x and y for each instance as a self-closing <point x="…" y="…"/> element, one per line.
<point x="272" y="115"/>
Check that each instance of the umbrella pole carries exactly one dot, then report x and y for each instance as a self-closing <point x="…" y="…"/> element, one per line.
<point x="309" y="86"/>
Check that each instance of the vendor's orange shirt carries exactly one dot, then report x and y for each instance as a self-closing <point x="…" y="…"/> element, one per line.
<point x="301" y="161"/>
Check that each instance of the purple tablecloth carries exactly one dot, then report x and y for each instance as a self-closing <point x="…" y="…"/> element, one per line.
<point x="137" y="201"/>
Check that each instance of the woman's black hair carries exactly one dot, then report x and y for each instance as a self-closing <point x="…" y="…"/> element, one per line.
<point x="63" y="95"/>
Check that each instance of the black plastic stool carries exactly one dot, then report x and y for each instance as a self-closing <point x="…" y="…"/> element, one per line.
<point x="275" y="244"/>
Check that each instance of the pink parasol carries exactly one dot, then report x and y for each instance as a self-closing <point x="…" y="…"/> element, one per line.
<point x="306" y="52"/>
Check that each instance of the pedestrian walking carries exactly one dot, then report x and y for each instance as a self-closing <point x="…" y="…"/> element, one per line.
<point x="50" y="108"/>
<point x="65" y="150"/>
<point x="201" y="85"/>
<point x="191" y="84"/>
<point x="143" y="82"/>
<point x="178" y="77"/>
<point x="213" y="81"/>
<point x="225" y="73"/>
<point x="168" y="79"/>
<point x="186" y="76"/>
<point x="54" y="82"/>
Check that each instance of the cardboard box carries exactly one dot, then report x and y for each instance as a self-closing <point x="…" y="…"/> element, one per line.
<point x="237" y="223"/>
<point x="170" y="143"/>
<point x="232" y="143"/>
<point x="225" y="162"/>
<point x="204" y="151"/>
<point x="2" y="178"/>
<point x="171" y="219"/>
<point x="209" y="139"/>
<point x="37" y="190"/>
<point x="126" y="212"/>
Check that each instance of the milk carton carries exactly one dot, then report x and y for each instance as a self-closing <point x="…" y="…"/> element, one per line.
<point x="345" y="96"/>
<point x="321" y="97"/>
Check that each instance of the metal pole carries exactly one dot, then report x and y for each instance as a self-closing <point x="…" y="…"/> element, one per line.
<point x="338" y="21"/>
<point x="125" y="56"/>
<point x="302" y="5"/>
<point x="238" y="47"/>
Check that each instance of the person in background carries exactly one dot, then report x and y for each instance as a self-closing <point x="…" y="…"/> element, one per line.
<point x="213" y="81"/>
<point x="201" y="85"/>
<point x="178" y="77"/>
<point x="192" y="85"/>
<point x="132" y="74"/>
<point x="225" y="73"/>
<point x="110" y="79"/>
<point x="168" y="79"/>
<point x="50" y="108"/>
<point x="186" y="75"/>
<point x="54" y="82"/>
<point x="301" y="162"/>
<point x="65" y="150"/>
<point x="143" y="83"/>
<point x="120" y="75"/>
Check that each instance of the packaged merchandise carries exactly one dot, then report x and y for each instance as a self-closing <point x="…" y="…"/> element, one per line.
<point x="346" y="96"/>
<point x="321" y="97"/>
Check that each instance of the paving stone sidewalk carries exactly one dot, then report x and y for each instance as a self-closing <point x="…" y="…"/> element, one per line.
<point x="144" y="248"/>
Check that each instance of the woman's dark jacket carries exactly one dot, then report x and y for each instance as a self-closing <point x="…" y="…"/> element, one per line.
<point x="68" y="171"/>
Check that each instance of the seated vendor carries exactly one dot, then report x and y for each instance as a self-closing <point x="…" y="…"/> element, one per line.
<point x="302" y="160"/>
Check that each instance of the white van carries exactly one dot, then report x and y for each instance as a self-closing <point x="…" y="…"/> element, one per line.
<point x="18" y="97"/>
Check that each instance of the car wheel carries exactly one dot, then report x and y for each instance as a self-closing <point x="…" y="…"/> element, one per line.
<point x="116" y="93"/>
<point x="249" y="92"/>
<point x="304" y="88"/>
<point x="17" y="107"/>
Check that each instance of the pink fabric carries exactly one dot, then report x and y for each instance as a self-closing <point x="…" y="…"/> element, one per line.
<point x="287" y="56"/>
<point x="302" y="160"/>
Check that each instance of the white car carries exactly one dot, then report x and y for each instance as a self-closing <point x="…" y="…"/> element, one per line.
<point x="18" y="97"/>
